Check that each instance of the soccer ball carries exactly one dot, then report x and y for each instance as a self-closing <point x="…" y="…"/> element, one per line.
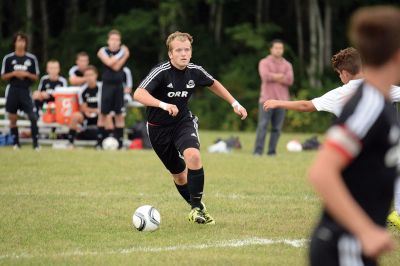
<point x="146" y="218"/>
<point x="294" y="146"/>
<point x="110" y="143"/>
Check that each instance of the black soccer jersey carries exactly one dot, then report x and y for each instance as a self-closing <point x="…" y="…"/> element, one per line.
<point x="49" y="86"/>
<point x="12" y="62"/>
<point x="74" y="71"/>
<point x="109" y="75"/>
<point x="173" y="86"/>
<point x="367" y="133"/>
<point x="90" y="96"/>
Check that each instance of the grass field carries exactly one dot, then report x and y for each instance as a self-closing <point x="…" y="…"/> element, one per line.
<point x="75" y="206"/>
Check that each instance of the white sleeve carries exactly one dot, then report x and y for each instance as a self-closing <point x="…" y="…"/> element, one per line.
<point x="72" y="70"/>
<point x="128" y="78"/>
<point x="395" y="94"/>
<point x="120" y="53"/>
<point x="328" y="102"/>
<point x="64" y="81"/>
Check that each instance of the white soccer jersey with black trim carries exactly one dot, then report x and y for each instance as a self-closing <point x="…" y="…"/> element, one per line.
<point x="173" y="86"/>
<point x="334" y="100"/>
<point x="367" y="134"/>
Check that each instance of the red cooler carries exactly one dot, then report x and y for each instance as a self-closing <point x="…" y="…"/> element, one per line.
<point x="66" y="103"/>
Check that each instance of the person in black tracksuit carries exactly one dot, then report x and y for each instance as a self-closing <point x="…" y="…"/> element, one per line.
<point x="20" y="69"/>
<point x="172" y="128"/>
<point x="113" y="57"/>
<point x="355" y="170"/>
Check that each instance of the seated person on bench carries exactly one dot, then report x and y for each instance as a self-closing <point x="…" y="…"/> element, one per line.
<point x="89" y="109"/>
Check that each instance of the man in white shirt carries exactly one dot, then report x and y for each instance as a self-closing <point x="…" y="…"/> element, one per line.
<point x="347" y="63"/>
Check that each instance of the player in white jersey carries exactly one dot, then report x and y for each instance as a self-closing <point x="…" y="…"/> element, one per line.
<point x="347" y="64"/>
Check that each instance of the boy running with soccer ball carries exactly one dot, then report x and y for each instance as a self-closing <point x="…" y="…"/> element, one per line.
<point x="173" y="129"/>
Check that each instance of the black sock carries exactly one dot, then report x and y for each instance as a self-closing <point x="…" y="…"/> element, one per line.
<point x="119" y="135"/>
<point x="184" y="191"/>
<point x="109" y="133"/>
<point x="195" y="185"/>
<point x="38" y="106"/>
<point x="14" y="133"/>
<point x="100" y="135"/>
<point x="71" y="135"/>
<point x="34" y="129"/>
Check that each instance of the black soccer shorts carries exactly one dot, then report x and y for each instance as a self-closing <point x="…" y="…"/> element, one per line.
<point x="112" y="98"/>
<point x="330" y="248"/>
<point x="19" y="99"/>
<point x="169" y="142"/>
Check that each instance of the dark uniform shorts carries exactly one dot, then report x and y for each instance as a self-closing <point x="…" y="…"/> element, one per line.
<point x="169" y="142"/>
<point x="332" y="247"/>
<point x="112" y="98"/>
<point x="18" y="99"/>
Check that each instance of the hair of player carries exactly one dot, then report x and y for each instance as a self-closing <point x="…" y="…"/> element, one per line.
<point x="347" y="59"/>
<point x="92" y="68"/>
<point x="114" y="32"/>
<point x="375" y="32"/>
<point x="181" y="36"/>
<point x="274" y="41"/>
<point x="81" y="54"/>
<point x="22" y="36"/>
<point x="53" y="60"/>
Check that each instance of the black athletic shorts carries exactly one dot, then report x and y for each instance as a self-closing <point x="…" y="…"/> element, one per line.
<point x="89" y="121"/>
<point x="169" y="142"/>
<point x="332" y="247"/>
<point x="18" y="99"/>
<point x="112" y="98"/>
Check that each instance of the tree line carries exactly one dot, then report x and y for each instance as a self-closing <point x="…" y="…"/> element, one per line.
<point x="230" y="37"/>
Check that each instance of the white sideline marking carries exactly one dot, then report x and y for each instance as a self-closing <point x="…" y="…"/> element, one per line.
<point x="296" y="243"/>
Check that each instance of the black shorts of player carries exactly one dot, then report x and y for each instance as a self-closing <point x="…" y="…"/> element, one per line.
<point x="90" y="121"/>
<point x="112" y="98"/>
<point x="169" y="142"/>
<point x="90" y="126"/>
<point x="330" y="247"/>
<point x="19" y="99"/>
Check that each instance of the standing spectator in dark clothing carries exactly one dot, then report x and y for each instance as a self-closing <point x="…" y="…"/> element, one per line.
<point x="20" y="69"/>
<point x="113" y="57"/>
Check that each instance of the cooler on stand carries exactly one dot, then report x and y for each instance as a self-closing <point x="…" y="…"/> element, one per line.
<point x="66" y="99"/>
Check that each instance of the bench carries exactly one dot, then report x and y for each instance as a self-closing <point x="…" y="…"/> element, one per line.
<point x="44" y="128"/>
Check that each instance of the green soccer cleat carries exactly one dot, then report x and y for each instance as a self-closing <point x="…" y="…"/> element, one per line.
<point x="394" y="219"/>
<point x="206" y="215"/>
<point x="196" y="216"/>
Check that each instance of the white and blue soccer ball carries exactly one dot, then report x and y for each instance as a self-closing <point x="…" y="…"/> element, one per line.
<point x="110" y="143"/>
<point x="146" y="218"/>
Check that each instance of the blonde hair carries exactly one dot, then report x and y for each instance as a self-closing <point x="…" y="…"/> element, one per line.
<point x="181" y="36"/>
<point x="114" y="31"/>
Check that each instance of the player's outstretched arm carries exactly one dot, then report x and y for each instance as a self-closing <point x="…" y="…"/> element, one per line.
<point x="301" y="106"/>
<point x="144" y="97"/>
<point x="222" y="92"/>
<point x="325" y="177"/>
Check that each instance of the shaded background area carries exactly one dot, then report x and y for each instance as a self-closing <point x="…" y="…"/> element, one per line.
<point x="230" y="37"/>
